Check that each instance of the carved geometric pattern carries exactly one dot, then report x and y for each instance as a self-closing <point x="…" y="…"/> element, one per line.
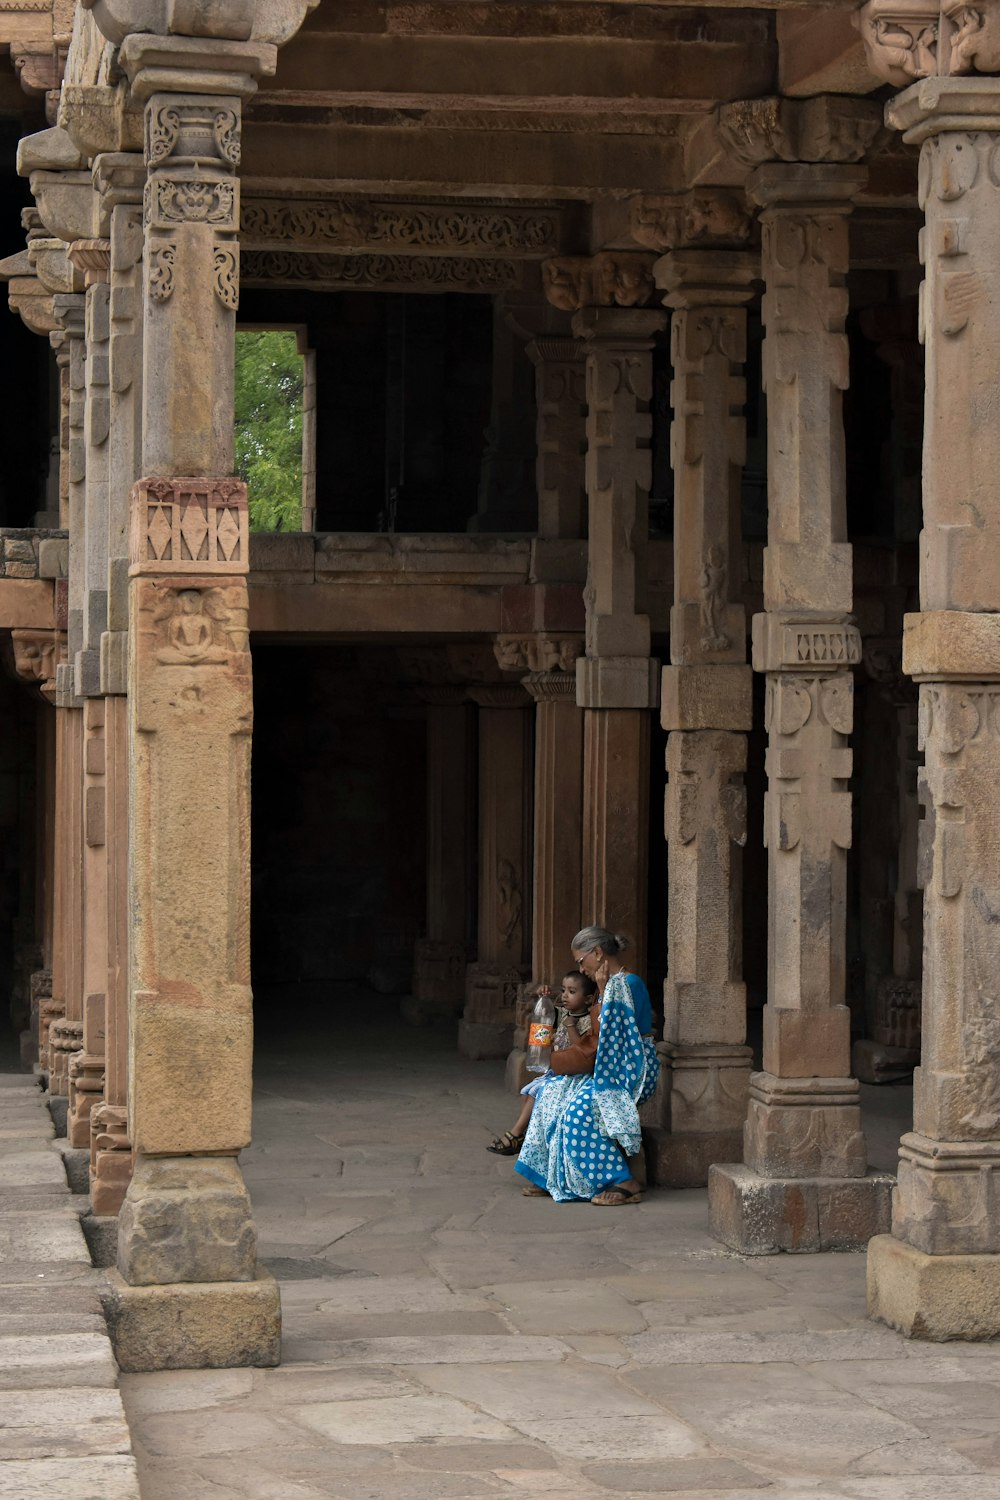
<point x="358" y="225"/>
<point x="188" y="526"/>
<point x="389" y="272"/>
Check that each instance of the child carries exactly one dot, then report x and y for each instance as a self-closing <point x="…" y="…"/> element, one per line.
<point x="575" y="998"/>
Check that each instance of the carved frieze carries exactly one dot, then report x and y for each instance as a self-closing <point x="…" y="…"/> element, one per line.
<point x="676" y="220"/>
<point x="358" y="225"/>
<point x="611" y="279"/>
<point x="538" y="653"/>
<point x="188" y="526"/>
<point x="412" y="273"/>
<point x="827" y="128"/>
<point x="191" y="197"/>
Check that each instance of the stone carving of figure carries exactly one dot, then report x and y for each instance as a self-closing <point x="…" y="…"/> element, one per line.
<point x="713" y="600"/>
<point x="190" y="637"/>
<point x="508" y="901"/>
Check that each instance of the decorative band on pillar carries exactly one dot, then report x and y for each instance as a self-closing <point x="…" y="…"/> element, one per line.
<point x="189" y="526"/>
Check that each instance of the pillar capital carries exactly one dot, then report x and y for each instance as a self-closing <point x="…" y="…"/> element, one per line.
<point x="625" y="328"/>
<point x="805" y="187"/>
<point x="825" y="128"/>
<point x="900" y="38"/>
<point x="696" y="278"/>
<point x="542" y="652"/>
<point x="612" y="278"/>
<point x="551" y="687"/>
<point x="937" y="106"/>
<point x="501" y="695"/>
<point x="699" y="219"/>
<point x="92" y="258"/>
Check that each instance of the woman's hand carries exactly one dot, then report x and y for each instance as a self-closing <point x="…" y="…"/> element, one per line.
<point x="601" y="976"/>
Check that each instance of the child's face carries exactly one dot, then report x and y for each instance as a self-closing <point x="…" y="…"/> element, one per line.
<point x="573" y="995"/>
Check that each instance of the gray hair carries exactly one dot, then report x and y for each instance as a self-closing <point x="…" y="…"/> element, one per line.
<point x="589" y="938"/>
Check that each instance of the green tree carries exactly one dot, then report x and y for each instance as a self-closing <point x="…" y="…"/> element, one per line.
<point x="269" y="428"/>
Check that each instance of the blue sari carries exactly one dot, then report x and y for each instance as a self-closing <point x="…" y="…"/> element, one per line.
<point x="584" y="1125"/>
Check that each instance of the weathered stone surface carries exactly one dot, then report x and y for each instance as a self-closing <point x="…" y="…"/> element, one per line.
<point x="88" y="1478"/>
<point x="759" y="1215"/>
<point x="72" y="1359"/>
<point x="186" y="1219"/>
<point x="936" y="1297"/>
<point x="61" y="1424"/>
<point x="194" y="1325"/>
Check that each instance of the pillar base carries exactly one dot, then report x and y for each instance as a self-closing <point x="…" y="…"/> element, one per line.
<point x="207" y="1325"/>
<point x="764" y="1215"/>
<point x="935" y="1297"/>
<point x="684" y="1160"/>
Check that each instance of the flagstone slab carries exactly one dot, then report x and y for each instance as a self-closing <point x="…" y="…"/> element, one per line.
<point x="112" y="1478"/>
<point x="408" y="1419"/>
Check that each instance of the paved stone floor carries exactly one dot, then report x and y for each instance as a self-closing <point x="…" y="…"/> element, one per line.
<point x="446" y="1338"/>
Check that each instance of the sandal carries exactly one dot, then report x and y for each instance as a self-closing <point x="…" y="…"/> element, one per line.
<point x="618" y="1195"/>
<point x="507" y="1144"/>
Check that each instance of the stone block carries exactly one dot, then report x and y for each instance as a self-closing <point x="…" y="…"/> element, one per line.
<point x="684" y="1161"/>
<point x="85" y="1478"/>
<point x="707" y="697"/>
<point x="481" y="1040"/>
<point x="186" y="1219"/>
<point x="806" y="1044"/>
<point x="76" y="1162"/>
<point x="194" y="1325"/>
<point x="48" y="1361"/>
<point x="200" y="1099"/>
<point x="617" y="682"/>
<point x="101" y="1234"/>
<point x="804" y="1127"/>
<point x="951" y="643"/>
<point x="757" y="1215"/>
<point x="53" y="557"/>
<point x="936" y="1297"/>
<point x="58" y="1109"/>
<point x="876" y="1062"/>
<point x="291" y="552"/>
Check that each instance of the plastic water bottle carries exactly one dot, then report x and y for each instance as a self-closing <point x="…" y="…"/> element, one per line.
<point x="541" y="1034"/>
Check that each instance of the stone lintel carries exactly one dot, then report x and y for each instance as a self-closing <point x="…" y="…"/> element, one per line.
<point x="757" y="1215"/>
<point x="952" y="645"/>
<point x="707" y="697"/>
<point x="707" y="278"/>
<point x="194" y="1325"/>
<point x="935" y="1297"/>
<point x="781" y="644"/>
<point x="617" y="682"/>
<point x="194" y="65"/>
<point x="935" y="105"/>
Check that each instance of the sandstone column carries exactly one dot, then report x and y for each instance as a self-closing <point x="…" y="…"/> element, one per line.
<point x="805" y="1184"/>
<point x="440" y="958"/>
<point x="188" y="1290"/>
<point x="504" y="932"/>
<point x="617" y="681"/>
<point x="707" y="707"/>
<point x="938" y="1274"/>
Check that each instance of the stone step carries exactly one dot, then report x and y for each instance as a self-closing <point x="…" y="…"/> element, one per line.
<point x="32" y="1362"/>
<point x="83" y="1478"/>
<point x="54" y="1236"/>
<point x="64" y="1423"/>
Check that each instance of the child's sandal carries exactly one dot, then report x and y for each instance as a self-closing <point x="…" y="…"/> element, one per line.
<point x="507" y="1144"/>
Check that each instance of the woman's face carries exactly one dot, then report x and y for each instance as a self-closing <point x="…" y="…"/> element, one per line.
<point x="588" y="963"/>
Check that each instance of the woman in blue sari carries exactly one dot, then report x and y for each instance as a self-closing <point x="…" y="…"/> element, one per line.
<point x="586" y="1122"/>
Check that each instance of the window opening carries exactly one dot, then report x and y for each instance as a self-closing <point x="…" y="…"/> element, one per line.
<point x="272" y="399"/>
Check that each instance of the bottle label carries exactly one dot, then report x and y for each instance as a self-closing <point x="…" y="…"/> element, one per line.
<point x="540" y="1034"/>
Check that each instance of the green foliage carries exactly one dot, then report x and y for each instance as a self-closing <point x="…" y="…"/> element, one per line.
<point x="269" y="428"/>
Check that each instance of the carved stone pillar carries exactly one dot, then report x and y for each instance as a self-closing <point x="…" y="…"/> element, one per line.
<point x="617" y="681"/>
<point x="188" y="1290"/>
<point x="805" y="1184"/>
<point x="560" y="436"/>
<point x="706" y="706"/>
<point x="86" y="1081"/>
<point x="504" y="935"/>
<point x="440" y="958"/>
<point x="938" y="1274"/>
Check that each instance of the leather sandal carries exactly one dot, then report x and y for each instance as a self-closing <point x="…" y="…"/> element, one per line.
<point x="507" y="1144"/>
<point x="618" y="1195"/>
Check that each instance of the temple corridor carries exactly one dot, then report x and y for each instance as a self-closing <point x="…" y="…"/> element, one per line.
<point x="445" y="1337"/>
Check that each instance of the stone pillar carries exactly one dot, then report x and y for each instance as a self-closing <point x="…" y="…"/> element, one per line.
<point x="440" y="958"/>
<point x="504" y="934"/>
<point x="707" y="706"/>
<point x="804" y="1185"/>
<point x="937" y="1275"/>
<point x="188" y="1291"/>
<point x="617" y="681"/>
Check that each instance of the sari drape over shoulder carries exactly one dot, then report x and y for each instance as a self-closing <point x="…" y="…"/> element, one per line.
<point x="583" y="1123"/>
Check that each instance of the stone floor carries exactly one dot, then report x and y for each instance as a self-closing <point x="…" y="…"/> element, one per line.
<point x="446" y="1338"/>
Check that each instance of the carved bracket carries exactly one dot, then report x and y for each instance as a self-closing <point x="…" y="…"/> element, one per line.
<point x="37" y="653"/>
<point x="826" y="128"/>
<point x="538" y="653"/>
<point x="611" y="279"/>
<point x="680" y="220"/>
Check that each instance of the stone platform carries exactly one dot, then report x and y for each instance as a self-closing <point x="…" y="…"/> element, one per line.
<point x="447" y="1339"/>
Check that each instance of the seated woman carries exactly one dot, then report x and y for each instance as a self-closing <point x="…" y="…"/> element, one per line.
<point x="585" y="1123"/>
